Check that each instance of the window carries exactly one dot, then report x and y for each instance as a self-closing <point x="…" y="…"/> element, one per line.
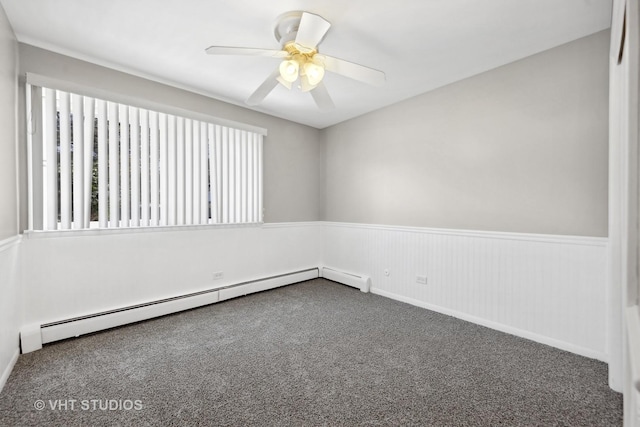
<point x="103" y="164"/>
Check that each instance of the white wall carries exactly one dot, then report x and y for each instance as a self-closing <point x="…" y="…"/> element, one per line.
<point x="548" y="288"/>
<point x="521" y="148"/>
<point x="73" y="274"/>
<point x="10" y="313"/>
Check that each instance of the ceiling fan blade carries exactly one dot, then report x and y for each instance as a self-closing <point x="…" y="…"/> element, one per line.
<point x="264" y="89"/>
<point x="354" y="71"/>
<point x="227" y="50"/>
<point x="311" y="30"/>
<point x="305" y="86"/>
<point x="322" y="98"/>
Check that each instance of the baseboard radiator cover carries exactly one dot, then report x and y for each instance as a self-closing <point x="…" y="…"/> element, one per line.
<point x="33" y="336"/>
<point x="350" y="279"/>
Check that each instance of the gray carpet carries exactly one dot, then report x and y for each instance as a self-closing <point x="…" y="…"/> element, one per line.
<point x="314" y="353"/>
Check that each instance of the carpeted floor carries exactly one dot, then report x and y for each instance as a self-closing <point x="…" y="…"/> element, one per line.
<point x="314" y="353"/>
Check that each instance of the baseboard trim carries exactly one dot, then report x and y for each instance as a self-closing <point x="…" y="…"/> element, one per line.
<point x="74" y="327"/>
<point x="495" y="325"/>
<point x="9" y="368"/>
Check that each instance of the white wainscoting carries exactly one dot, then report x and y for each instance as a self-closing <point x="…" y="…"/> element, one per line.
<point x="73" y="274"/>
<point x="10" y="307"/>
<point x="550" y="289"/>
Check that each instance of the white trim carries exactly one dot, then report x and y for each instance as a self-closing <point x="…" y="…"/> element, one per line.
<point x="621" y="252"/>
<point x="546" y="238"/>
<point x="291" y="224"/>
<point x="9" y="368"/>
<point x="45" y="234"/>
<point x="633" y="337"/>
<point x="51" y="234"/>
<point x="10" y="242"/>
<point x="17" y="146"/>
<point x="494" y="325"/>
<point x="54" y="83"/>
<point x="30" y="168"/>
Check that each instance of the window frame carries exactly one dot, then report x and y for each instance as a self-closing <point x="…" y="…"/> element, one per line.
<point x="35" y="133"/>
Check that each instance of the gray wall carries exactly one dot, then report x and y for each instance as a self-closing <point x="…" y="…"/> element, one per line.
<point x="522" y="148"/>
<point x="291" y="169"/>
<point x="8" y="95"/>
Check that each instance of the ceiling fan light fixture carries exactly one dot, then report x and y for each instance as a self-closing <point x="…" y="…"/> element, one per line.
<point x="314" y="72"/>
<point x="299" y="34"/>
<point x="289" y="70"/>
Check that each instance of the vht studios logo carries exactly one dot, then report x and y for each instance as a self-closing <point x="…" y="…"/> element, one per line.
<point x="89" y="405"/>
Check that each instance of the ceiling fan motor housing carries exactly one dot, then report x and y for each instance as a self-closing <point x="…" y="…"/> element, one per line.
<point x="287" y="26"/>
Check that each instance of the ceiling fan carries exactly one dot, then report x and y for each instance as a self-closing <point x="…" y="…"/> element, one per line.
<point x="299" y="34"/>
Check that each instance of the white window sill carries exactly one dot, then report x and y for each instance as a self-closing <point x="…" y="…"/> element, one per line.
<point x="46" y="234"/>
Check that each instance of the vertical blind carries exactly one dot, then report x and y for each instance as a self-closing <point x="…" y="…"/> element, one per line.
<point x="104" y="164"/>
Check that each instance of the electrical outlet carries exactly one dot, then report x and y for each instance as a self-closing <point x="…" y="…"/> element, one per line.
<point x="421" y="279"/>
<point x="218" y="275"/>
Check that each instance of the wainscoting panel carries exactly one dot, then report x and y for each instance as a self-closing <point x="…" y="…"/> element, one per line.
<point x="76" y="274"/>
<point x="10" y="306"/>
<point x="551" y="289"/>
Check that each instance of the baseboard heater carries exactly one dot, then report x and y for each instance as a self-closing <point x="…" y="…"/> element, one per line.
<point x="32" y="337"/>
<point x="350" y="279"/>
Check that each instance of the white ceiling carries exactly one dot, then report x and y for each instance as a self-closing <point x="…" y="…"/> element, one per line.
<point x="419" y="44"/>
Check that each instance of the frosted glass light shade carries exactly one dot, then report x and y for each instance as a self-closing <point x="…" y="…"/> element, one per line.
<point x="314" y="73"/>
<point x="289" y="70"/>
